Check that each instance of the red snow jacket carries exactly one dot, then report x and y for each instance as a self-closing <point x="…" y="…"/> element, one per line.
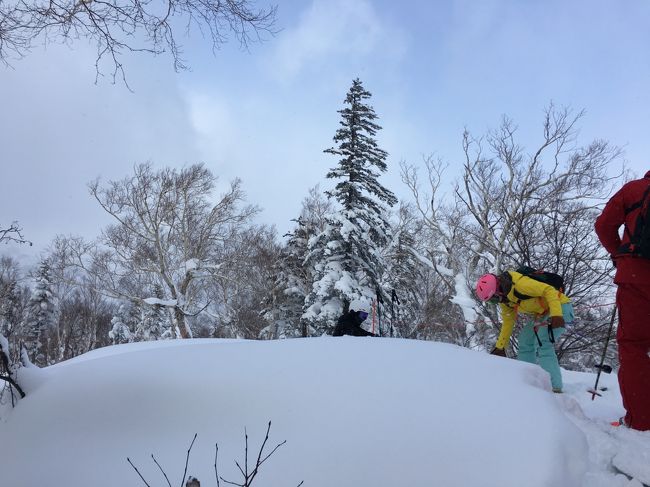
<point x="629" y="268"/>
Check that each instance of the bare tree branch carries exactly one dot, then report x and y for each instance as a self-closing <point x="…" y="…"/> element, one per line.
<point x="248" y="478"/>
<point x="122" y="26"/>
<point x="12" y="233"/>
<point x="161" y="469"/>
<point x="514" y="207"/>
<point x="169" y="232"/>
<point x="137" y="471"/>
<point x="6" y="366"/>
<point x="187" y="458"/>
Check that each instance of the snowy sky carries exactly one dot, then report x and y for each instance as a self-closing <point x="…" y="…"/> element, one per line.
<point x="433" y="67"/>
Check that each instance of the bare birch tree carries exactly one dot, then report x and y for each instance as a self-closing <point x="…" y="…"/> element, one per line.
<point x="238" y="293"/>
<point x="168" y="232"/>
<point x="514" y="207"/>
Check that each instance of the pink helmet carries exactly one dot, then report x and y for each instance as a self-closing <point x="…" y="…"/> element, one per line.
<point x="486" y="286"/>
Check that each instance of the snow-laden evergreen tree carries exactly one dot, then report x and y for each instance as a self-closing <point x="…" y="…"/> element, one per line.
<point x="403" y="282"/>
<point x="13" y="301"/>
<point x="14" y="297"/>
<point x="153" y="322"/>
<point x="293" y="276"/>
<point x="39" y="317"/>
<point x="10" y="308"/>
<point x="291" y="286"/>
<point x="347" y="255"/>
<point x="122" y="326"/>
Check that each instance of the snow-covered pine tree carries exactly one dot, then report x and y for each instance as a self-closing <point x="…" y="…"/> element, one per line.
<point x="154" y="320"/>
<point x="39" y="317"/>
<point x="294" y="276"/>
<point x="291" y="286"/>
<point x="13" y="298"/>
<point x="404" y="276"/>
<point x="10" y="308"/>
<point x="122" y="325"/>
<point x="347" y="255"/>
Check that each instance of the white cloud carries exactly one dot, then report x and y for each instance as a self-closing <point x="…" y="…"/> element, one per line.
<point x="58" y="131"/>
<point x="328" y="28"/>
<point x="213" y="121"/>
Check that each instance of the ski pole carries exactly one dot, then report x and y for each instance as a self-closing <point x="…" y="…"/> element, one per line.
<point x="595" y="393"/>
<point x="379" y="303"/>
<point x="392" y="318"/>
<point x="393" y="300"/>
<point x="392" y="312"/>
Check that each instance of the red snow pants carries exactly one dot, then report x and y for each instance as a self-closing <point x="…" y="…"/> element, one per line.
<point x="633" y="337"/>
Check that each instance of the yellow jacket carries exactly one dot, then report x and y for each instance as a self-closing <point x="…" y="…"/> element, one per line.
<point x="545" y="301"/>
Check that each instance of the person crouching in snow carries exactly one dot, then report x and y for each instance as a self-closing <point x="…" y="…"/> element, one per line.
<point x="547" y="309"/>
<point x="350" y="323"/>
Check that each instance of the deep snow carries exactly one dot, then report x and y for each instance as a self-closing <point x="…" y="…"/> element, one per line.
<point x="354" y="412"/>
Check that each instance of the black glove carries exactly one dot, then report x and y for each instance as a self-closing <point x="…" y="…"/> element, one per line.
<point x="498" y="351"/>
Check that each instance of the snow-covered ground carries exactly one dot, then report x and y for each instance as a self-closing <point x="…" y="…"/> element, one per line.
<point x="353" y="411"/>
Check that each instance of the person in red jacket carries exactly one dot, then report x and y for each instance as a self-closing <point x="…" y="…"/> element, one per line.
<point x="632" y="298"/>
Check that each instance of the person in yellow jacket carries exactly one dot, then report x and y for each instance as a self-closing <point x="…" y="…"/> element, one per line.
<point x="547" y="309"/>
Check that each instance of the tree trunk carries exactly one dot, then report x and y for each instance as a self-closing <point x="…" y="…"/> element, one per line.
<point x="182" y="325"/>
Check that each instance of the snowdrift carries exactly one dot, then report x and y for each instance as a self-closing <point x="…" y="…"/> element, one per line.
<point x="353" y="411"/>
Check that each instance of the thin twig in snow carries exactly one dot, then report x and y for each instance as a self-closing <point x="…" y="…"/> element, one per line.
<point x="137" y="471"/>
<point x="161" y="469"/>
<point x="187" y="459"/>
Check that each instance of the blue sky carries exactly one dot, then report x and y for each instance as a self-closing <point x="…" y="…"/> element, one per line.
<point x="433" y="67"/>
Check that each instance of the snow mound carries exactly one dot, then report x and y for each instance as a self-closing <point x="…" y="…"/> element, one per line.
<point x="354" y="412"/>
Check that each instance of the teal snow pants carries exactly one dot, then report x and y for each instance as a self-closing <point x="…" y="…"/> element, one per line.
<point x="531" y="351"/>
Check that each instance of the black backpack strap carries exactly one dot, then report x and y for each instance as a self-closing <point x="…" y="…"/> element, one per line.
<point x="521" y="296"/>
<point x="639" y="203"/>
<point x="634" y="238"/>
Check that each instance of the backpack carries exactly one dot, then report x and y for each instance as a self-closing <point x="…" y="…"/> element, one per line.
<point x="551" y="278"/>
<point x="639" y="240"/>
<point x="555" y="280"/>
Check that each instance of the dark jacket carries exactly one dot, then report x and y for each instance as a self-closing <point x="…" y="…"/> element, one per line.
<point x="623" y="209"/>
<point x="350" y="324"/>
